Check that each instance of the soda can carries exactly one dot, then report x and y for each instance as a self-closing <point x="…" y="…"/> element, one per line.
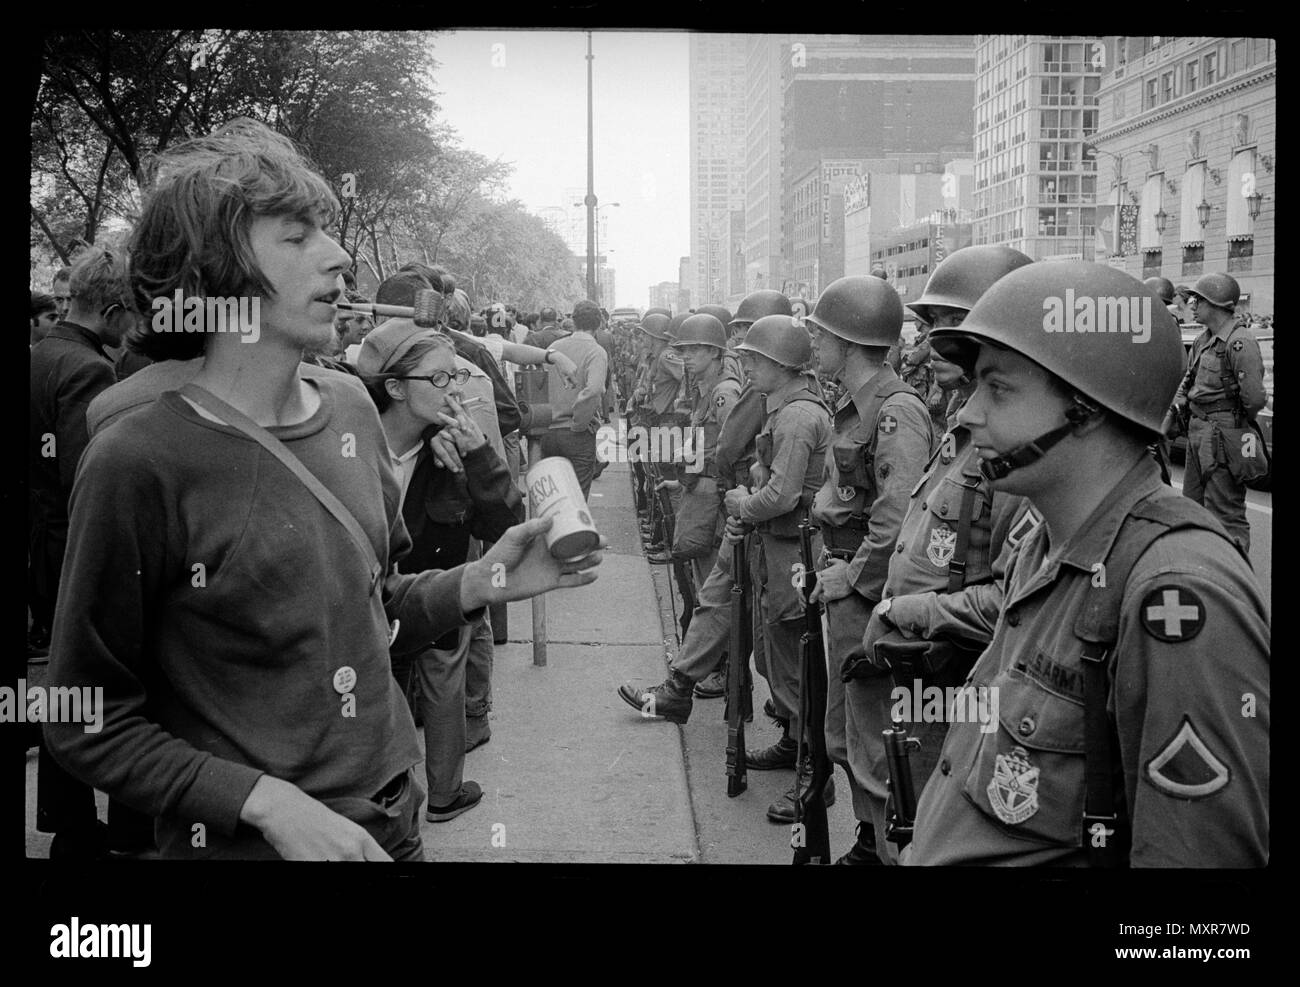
<point x="554" y="492"/>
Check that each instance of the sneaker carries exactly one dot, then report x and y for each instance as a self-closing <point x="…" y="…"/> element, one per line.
<point x="670" y="700"/>
<point x="713" y="685"/>
<point x="470" y="796"/>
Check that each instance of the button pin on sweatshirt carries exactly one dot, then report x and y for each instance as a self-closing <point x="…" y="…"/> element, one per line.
<point x="345" y="680"/>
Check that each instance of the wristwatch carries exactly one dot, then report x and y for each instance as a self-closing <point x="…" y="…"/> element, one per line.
<point x="547" y="358"/>
<point x="882" y="611"/>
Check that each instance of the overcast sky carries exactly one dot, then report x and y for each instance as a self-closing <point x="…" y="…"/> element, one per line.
<point x="532" y="112"/>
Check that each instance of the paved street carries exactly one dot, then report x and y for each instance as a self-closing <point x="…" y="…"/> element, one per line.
<point x="572" y="774"/>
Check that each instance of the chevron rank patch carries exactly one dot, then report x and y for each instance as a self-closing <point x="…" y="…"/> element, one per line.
<point x="1027" y="523"/>
<point x="1172" y="613"/>
<point x="1185" y="767"/>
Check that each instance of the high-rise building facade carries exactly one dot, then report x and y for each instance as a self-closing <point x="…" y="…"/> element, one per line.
<point x="764" y="56"/>
<point x="663" y="295"/>
<point x="848" y="97"/>
<point x="717" y="157"/>
<point x="1035" y="112"/>
<point x="1187" y="139"/>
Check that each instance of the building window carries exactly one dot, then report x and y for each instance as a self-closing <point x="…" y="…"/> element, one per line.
<point x="1152" y="260"/>
<point x="1151" y="95"/>
<point x="1166" y="87"/>
<point x="1240" y="253"/>
<point x="1193" y="72"/>
<point x="1211" y="63"/>
<point x="1193" y="258"/>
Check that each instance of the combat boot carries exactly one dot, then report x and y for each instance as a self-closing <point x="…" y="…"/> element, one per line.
<point x="713" y="685"/>
<point x="782" y="754"/>
<point x="782" y="810"/>
<point x="670" y="700"/>
<point x="863" y="852"/>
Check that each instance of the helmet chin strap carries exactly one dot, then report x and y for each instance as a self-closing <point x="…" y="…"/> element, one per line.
<point x="1031" y="452"/>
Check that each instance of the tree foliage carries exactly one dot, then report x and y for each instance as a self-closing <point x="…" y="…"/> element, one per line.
<point x="362" y="106"/>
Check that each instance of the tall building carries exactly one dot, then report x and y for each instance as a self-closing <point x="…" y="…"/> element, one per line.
<point x="1187" y="139"/>
<point x="683" y="286"/>
<point x="663" y="295"/>
<point x="764" y="56"/>
<point x="717" y="157"/>
<point x="849" y="97"/>
<point x="911" y="254"/>
<point x="1035" y="110"/>
<point x="897" y="193"/>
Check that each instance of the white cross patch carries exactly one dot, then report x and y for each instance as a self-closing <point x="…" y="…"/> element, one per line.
<point x="1172" y="613"/>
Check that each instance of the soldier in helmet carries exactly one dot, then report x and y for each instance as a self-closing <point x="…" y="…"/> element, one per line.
<point x="1165" y="289"/>
<point x="942" y="592"/>
<point x="702" y="343"/>
<point x="882" y="440"/>
<point x="791" y="451"/>
<point x="698" y="671"/>
<point x="1223" y="391"/>
<point x="1129" y="659"/>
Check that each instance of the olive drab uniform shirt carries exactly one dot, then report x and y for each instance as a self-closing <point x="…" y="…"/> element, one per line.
<point x="1187" y="700"/>
<point x="792" y="445"/>
<point x="1233" y="356"/>
<point x="882" y="440"/>
<point x="665" y="381"/>
<point x="874" y="463"/>
<point x="928" y="541"/>
<point x="715" y="395"/>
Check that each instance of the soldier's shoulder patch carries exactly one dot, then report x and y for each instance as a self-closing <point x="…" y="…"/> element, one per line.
<point x="888" y="424"/>
<point x="1238" y="346"/>
<point x="883" y="471"/>
<point x="1172" y="613"/>
<point x="720" y="400"/>
<point x="1185" y="767"/>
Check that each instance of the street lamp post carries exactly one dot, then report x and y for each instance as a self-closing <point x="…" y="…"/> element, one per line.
<point x="590" y="200"/>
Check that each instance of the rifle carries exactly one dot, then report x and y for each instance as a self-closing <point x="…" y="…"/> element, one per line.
<point x="902" y="793"/>
<point x="810" y="820"/>
<point x="739" y="687"/>
<point x="681" y="573"/>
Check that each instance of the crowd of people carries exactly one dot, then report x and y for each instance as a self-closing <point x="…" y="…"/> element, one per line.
<point x="996" y="526"/>
<point x="281" y="560"/>
<point x="276" y="559"/>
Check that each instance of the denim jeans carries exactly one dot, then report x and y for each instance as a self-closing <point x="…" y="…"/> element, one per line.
<point x="434" y="681"/>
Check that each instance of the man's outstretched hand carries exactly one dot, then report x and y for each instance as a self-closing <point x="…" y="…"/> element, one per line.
<point x="519" y="567"/>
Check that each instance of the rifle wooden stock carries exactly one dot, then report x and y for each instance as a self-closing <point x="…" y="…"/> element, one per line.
<point x="902" y="793"/>
<point x="810" y="820"/>
<point x="737" y="669"/>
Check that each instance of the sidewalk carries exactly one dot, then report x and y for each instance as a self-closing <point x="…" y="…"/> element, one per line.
<point x="564" y="778"/>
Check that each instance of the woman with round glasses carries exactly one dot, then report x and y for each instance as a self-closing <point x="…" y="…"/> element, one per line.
<point x="455" y="487"/>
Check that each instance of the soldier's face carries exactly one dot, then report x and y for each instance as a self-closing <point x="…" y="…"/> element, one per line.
<point x="830" y="352"/>
<point x="766" y="375"/>
<point x="698" y="359"/>
<point x="1014" y="403"/>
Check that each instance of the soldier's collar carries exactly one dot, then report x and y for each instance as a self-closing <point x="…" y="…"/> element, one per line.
<point x="784" y="393"/>
<point x="870" y="387"/>
<point x="1095" y="537"/>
